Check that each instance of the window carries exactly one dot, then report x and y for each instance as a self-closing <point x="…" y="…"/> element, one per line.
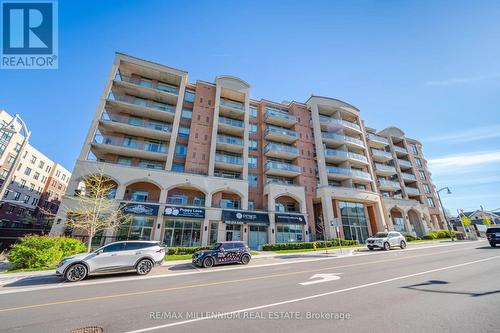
<point x="36" y="175"/>
<point x="180" y="232"/>
<point x="18" y="147"/>
<point x="252" y="145"/>
<point x="430" y="201"/>
<point x="41" y="164"/>
<point x="10" y="160"/>
<point x="26" y="199"/>
<point x="23" y="183"/>
<point x="10" y="210"/>
<point x="252" y="180"/>
<point x="252" y="162"/>
<point x="414" y="148"/>
<point x="184" y="132"/>
<point x="4" y="174"/>
<point x="25" y="154"/>
<point x="140" y="196"/>
<point x="33" y="159"/>
<point x="124" y="161"/>
<point x="253" y="112"/>
<point x="145" y="83"/>
<point x="147" y="164"/>
<point x="180" y="150"/>
<point x="176" y="167"/>
<point x="166" y="88"/>
<point x="58" y="173"/>
<point x="427" y="188"/>
<point x="139" y="228"/>
<point x="32" y="187"/>
<point x="113" y="247"/>
<point x="251" y="205"/>
<point x="253" y="128"/>
<point x="422" y="174"/>
<point x="44" y="179"/>
<point x="287" y="233"/>
<point x="418" y="161"/>
<point x="189" y="96"/>
<point x="187" y="114"/>
<point x="63" y="177"/>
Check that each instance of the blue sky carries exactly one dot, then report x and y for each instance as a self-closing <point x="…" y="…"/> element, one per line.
<point x="430" y="68"/>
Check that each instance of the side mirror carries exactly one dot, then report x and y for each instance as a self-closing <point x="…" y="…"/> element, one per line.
<point x="222" y="249"/>
<point x="98" y="252"/>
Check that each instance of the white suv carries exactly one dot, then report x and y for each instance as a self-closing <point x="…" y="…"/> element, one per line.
<point x="386" y="240"/>
<point x="118" y="257"/>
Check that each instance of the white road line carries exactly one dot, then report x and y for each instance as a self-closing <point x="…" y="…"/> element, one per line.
<point x="134" y="278"/>
<point x="295" y="300"/>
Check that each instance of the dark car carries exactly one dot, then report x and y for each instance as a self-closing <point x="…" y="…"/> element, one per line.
<point x="493" y="235"/>
<point x="223" y="253"/>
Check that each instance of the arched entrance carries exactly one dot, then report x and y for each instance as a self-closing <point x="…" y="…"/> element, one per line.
<point x="398" y="220"/>
<point x="416" y="223"/>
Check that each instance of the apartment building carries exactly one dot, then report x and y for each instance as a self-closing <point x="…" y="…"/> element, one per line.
<point x="201" y="162"/>
<point x="32" y="191"/>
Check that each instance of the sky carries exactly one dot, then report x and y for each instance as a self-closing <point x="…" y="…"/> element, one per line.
<point x="430" y="68"/>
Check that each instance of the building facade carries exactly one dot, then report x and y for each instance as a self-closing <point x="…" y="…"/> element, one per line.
<point x="202" y="162"/>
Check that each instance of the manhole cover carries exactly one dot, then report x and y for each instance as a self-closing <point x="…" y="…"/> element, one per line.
<point x="88" y="329"/>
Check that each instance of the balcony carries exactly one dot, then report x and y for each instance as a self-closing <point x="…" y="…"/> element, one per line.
<point x="229" y="143"/>
<point x="274" y="168"/>
<point x="404" y="164"/>
<point x="335" y="156"/>
<point x="281" y="151"/>
<point x="280" y="134"/>
<point x="381" y="155"/>
<point x="411" y="191"/>
<point x="339" y="139"/>
<point x="231" y="126"/>
<point x="377" y="140"/>
<point x="400" y="151"/>
<point x="408" y="176"/>
<point x="140" y="107"/>
<point x="228" y="162"/>
<point x="107" y="144"/>
<point x="327" y="122"/>
<point x="385" y="170"/>
<point x="135" y="126"/>
<point x="388" y="185"/>
<point x="338" y="173"/>
<point x="232" y="109"/>
<point x="276" y="117"/>
<point x="144" y="88"/>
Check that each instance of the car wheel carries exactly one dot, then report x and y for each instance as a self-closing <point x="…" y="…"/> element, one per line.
<point x="75" y="273"/>
<point x="208" y="262"/>
<point x="402" y="245"/>
<point x="387" y="247"/>
<point x="245" y="259"/>
<point x="370" y="248"/>
<point x="493" y="244"/>
<point x="144" y="266"/>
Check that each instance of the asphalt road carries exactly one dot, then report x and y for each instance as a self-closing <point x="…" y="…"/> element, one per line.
<point x="445" y="288"/>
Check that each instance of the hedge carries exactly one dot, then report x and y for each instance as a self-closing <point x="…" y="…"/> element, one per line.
<point x="308" y="245"/>
<point x="34" y="251"/>
<point x="186" y="250"/>
<point x="410" y="238"/>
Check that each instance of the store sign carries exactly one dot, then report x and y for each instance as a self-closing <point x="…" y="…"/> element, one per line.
<point x="289" y="218"/>
<point x="244" y="217"/>
<point x="140" y="209"/>
<point x="198" y="213"/>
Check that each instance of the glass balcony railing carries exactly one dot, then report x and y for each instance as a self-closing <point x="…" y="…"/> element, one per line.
<point x="408" y="176"/>
<point x="142" y="102"/>
<point x="330" y="120"/>
<point x="339" y="137"/>
<point x="345" y="154"/>
<point x="385" y="182"/>
<point x="280" y="130"/>
<point x="282" y="148"/>
<point x="144" y="123"/>
<point x="146" y="83"/>
<point x="400" y="149"/>
<point x="231" y="122"/>
<point x="155" y="147"/>
<point x="383" y="167"/>
<point x="283" y="166"/>
<point x="404" y="163"/>
<point x="279" y="114"/>
<point x="228" y="159"/>
<point x="378" y="138"/>
<point x="232" y="140"/>
<point x="412" y="190"/>
<point x="381" y="153"/>
<point x="348" y="172"/>
<point x="231" y="104"/>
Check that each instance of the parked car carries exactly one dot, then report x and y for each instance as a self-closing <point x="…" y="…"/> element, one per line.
<point x="117" y="257"/>
<point x="223" y="253"/>
<point x="386" y="241"/>
<point x="493" y="236"/>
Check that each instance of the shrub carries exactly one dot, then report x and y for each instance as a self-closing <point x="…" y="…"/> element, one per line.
<point x="34" y="251"/>
<point x="308" y="245"/>
<point x="410" y="238"/>
<point x="429" y="237"/>
<point x="186" y="250"/>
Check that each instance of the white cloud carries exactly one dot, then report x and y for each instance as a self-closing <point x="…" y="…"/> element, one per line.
<point x="468" y="135"/>
<point x="462" y="163"/>
<point x="462" y="80"/>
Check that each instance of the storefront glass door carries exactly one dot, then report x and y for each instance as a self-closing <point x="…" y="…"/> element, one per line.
<point x="257" y="237"/>
<point x="233" y="232"/>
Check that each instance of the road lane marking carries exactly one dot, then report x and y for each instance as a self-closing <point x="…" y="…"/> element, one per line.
<point x="295" y="300"/>
<point x="219" y="269"/>
<point x="216" y="283"/>
<point x="322" y="278"/>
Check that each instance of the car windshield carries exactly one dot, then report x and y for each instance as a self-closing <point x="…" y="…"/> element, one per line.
<point x="380" y="235"/>
<point x="216" y="246"/>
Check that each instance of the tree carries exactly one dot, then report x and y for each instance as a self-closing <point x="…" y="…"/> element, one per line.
<point x="465" y="220"/>
<point x="94" y="209"/>
<point x="487" y="221"/>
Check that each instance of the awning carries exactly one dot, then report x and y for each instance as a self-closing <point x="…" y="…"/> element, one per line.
<point x="244" y="217"/>
<point x="289" y="218"/>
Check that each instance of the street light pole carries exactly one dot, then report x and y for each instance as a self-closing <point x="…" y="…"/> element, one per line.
<point x="10" y="128"/>
<point x="444" y="212"/>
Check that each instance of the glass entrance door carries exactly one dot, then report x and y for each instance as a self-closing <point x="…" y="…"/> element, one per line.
<point x="257" y="237"/>
<point x="233" y="232"/>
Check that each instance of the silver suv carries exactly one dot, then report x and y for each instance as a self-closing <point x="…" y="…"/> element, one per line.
<point x="386" y="240"/>
<point x="118" y="257"/>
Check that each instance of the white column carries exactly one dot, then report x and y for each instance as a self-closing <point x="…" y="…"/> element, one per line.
<point x="328" y="217"/>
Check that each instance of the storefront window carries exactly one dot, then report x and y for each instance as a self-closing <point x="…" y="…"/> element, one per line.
<point x="138" y="229"/>
<point x="287" y="233"/>
<point x="257" y="237"/>
<point x="233" y="232"/>
<point x="214" y="230"/>
<point x="182" y="232"/>
<point x="354" y="221"/>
